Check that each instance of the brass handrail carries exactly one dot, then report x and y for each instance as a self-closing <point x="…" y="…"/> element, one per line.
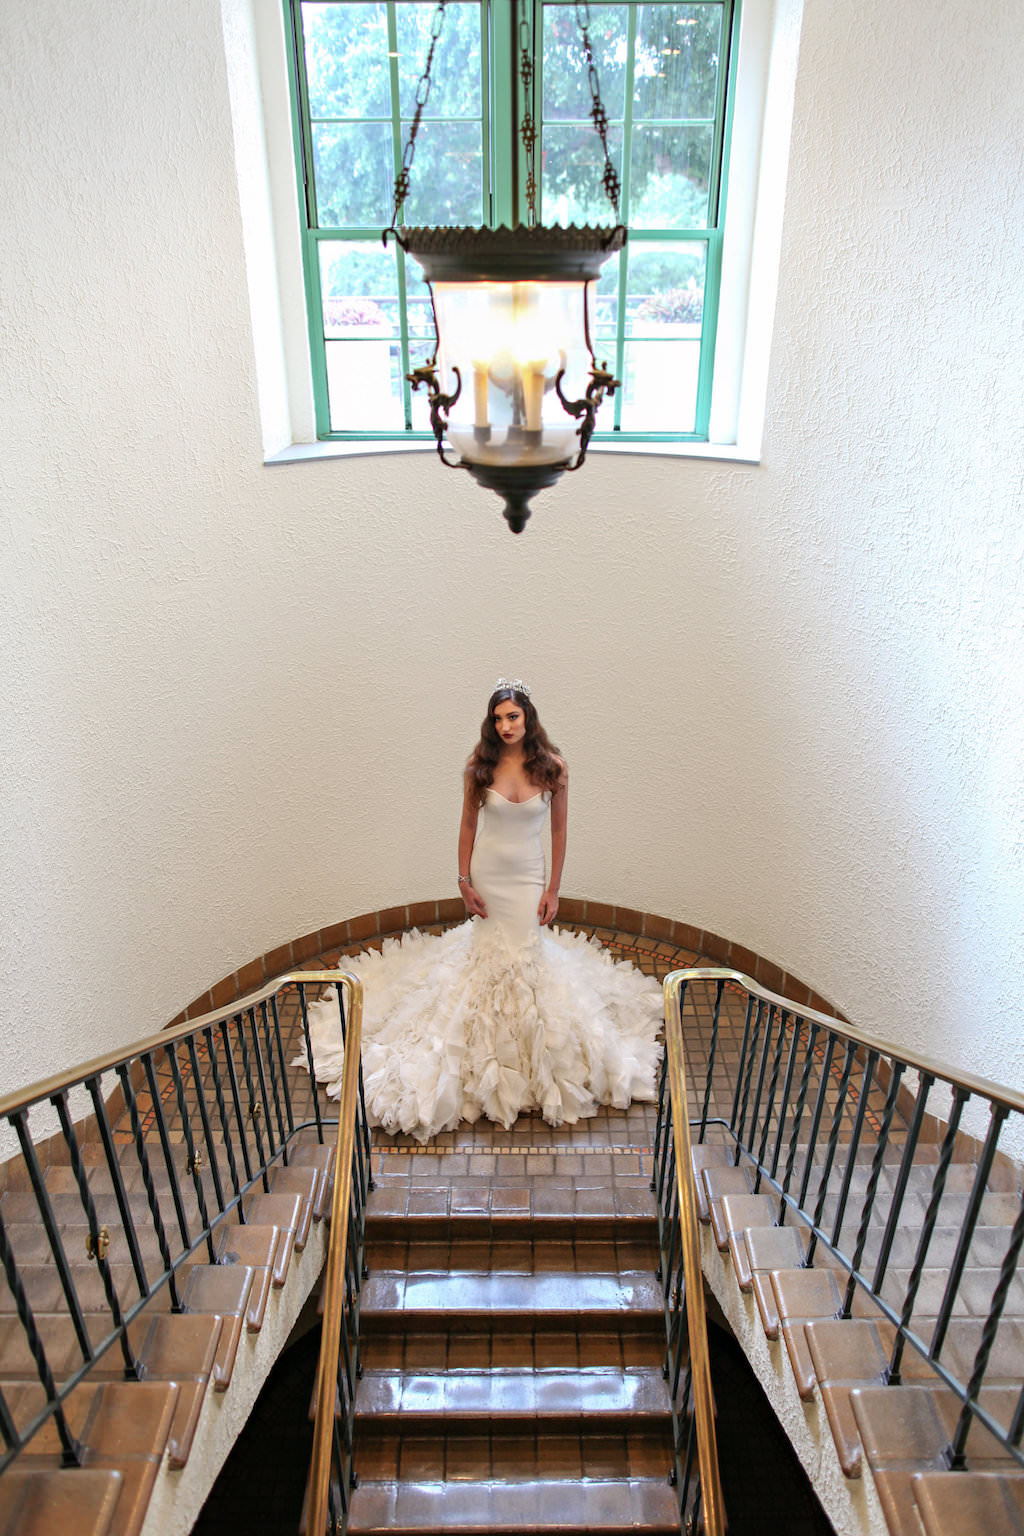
<point x="334" y="1270"/>
<point x="37" y="1093"/>
<point x="713" y="1514"/>
<point x="956" y="1077"/>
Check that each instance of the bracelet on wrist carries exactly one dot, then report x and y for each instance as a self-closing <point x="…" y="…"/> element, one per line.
<point x="463" y="880"/>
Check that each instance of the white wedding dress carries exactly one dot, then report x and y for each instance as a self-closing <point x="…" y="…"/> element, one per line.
<point x="497" y="1015"/>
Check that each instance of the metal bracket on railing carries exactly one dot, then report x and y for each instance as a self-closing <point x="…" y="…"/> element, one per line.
<point x="98" y="1246"/>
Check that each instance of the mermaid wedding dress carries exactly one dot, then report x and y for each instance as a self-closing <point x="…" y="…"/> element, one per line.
<point x="496" y="1015"/>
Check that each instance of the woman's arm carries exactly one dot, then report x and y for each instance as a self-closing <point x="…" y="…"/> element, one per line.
<point x="467" y="837"/>
<point x="559" y="815"/>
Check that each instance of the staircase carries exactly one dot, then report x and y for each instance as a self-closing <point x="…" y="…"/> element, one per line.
<point x="836" y="1368"/>
<point x="512" y="1330"/>
<point x="512" y="1377"/>
<point x="132" y="1430"/>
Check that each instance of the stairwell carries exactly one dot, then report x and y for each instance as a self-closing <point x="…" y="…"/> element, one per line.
<point x="512" y="1337"/>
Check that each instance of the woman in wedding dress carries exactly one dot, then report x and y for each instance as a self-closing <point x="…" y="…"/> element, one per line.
<point x="503" y="1013"/>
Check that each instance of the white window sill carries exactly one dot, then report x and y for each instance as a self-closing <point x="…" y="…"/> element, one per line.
<point x="729" y="453"/>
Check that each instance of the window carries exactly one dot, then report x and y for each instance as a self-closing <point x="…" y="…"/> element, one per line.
<point x="664" y="71"/>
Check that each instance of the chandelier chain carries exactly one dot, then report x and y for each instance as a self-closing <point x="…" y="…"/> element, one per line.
<point x="527" y="127"/>
<point x="599" y="117"/>
<point x="402" y="180"/>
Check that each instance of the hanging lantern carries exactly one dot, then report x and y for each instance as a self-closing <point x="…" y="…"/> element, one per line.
<point x="514" y="385"/>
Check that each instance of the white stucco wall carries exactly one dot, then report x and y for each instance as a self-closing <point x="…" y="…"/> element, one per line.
<point x="236" y="698"/>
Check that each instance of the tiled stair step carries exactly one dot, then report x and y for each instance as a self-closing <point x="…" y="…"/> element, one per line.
<point x="481" y="1227"/>
<point x="598" y="1400"/>
<point x="40" y="1503"/>
<point x="639" y="1506"/>
<point x="853" y="1354"/>
<point x="124" y="1427"/>
<point x="904" y="1431"/>
<point x="500" y="1252"/>
<point x="954" y="1503"/>
<point x="393" y="1299"/>
<point x="479" y="1347"/>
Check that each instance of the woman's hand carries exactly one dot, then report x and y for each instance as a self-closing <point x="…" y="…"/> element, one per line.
<point x="548" y="907"/>
<point x="474" y="904"/>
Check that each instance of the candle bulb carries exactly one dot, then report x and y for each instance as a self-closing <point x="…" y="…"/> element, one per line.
<point x="480" y="394"/>
<point x="533" y="394"/>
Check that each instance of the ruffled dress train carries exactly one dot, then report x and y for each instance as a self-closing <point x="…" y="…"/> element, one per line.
<point x="497" y="1015"/>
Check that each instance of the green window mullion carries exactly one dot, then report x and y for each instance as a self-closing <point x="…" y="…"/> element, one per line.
<point x="486" y="162"/>
<point x="708" y="332"/>
<point x="318" y="347"/>
<point x="724" y="99"/>
<point x="397" y="152"/>
<point x="295" y="44"/>
<point x="504" y="96"/>
<point x="627" y="155"/>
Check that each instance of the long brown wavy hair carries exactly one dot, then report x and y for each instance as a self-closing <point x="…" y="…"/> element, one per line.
<point x="539" y="756"/>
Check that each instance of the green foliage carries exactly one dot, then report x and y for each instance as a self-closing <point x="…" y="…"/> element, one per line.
<point x="677" y="306"/>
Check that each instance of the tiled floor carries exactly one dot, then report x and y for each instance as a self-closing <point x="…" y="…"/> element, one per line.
<point x="599" y="1166"/>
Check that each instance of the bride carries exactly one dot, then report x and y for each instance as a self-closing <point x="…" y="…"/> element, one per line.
<point x="501" y="1014"/>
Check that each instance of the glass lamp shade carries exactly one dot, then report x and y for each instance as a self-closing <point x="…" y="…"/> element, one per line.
<point x="513" y="349"/>
<point x="507" y="343"/>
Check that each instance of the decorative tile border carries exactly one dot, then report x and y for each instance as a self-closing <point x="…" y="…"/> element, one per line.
<point x="663" y="937"/>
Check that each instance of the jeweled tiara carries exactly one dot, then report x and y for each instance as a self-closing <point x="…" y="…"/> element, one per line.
<point x="515" y="683"/>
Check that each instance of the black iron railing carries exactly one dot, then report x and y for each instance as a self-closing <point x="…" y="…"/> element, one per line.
<point x="856" y="1141"/>
<point x="182" y="1128"/>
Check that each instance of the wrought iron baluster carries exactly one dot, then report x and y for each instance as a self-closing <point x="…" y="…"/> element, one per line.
<point x="71" y="1451"/>
<point x="204" y="1119"/>
<point x="128" y="1089"/>
<point x="877" y="1163"/>
<point x="222" y="1111"/>
<point x="261" y="1078"/>
<point x="798" y="1115"/>
<point x="866" y="1083"/>
<point x="955" y="1450"/>
<point x="734" y="1125"/>
<point x="8" y="1428"/>
<point x="766" y="1044"/>
<point x="772" y="1086"/>
<point x="60" y="1104"/>
<point x="931" y="1216"/>
<point x="117" y="1180"/>
<point x="167" y="1150"/>
<point x="830" y="1152"/>
<point x="192" y="1163"/>
<point x="236" y="1101"/>
<point x="999" y="1113"/>
<point x="712" y="1052"/>
<point x="787" y="1090"/>
<point x="279" y="1048"/>
<point x="275" y="1093"/>
<point x="925" y="1084"/>
<point x="311" y="1065"/>
<point x="819" y="1109"/>
<point x="750" y="1040"/>
<point x="255" y="1107"/>
<point x="661" y="1131"/>
<point x="20" y="1122"/>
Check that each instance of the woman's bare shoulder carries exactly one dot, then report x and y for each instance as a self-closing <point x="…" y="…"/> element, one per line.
<point x="563" y="771"/>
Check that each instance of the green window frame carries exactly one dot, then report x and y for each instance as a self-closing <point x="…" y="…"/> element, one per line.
<point x="669" y="109"/>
